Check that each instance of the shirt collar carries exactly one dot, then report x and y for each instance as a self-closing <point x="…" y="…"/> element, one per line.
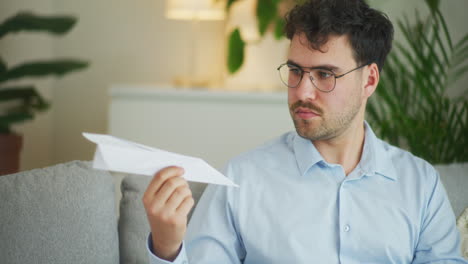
<point x="374" y="159"/>
<point x="306" y="153"/>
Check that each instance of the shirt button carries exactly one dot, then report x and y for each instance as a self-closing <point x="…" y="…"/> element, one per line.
<point x="346" y="228"/>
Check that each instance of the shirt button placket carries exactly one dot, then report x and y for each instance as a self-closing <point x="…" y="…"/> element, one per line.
<point x="344" y="218"/>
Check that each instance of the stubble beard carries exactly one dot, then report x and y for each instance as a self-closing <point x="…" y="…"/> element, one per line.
<point x="326" y="127"/>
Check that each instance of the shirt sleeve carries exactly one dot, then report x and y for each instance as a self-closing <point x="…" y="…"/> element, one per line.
<point x="439" y="239"/>
<point x="153" y="259"/>
<point x="213" y="234"/>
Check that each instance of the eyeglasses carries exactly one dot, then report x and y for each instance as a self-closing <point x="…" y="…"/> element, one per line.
<point x="323" y="79"/>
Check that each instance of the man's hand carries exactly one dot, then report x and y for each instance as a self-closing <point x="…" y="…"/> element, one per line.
<point x="167" y="202"/>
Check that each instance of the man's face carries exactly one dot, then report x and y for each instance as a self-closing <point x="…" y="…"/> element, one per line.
<point x="318" y="115"/>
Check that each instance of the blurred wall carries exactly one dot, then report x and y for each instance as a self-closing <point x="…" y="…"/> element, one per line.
<point x="127" y="42"/>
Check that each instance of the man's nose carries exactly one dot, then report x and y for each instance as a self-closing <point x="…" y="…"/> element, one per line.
<point x="306" y="90"/>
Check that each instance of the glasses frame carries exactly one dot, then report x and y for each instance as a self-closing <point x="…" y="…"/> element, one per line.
<point x="310" y="76"/>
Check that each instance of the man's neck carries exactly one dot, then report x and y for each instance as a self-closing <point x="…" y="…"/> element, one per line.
<point x="345" y="149"/>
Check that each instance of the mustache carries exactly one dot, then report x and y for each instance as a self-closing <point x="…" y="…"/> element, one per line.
<point x="308" y="105"/>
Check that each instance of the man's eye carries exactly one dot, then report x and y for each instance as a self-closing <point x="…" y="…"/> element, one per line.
<point x="295" y="71"/>
<point x="324" y="74"/>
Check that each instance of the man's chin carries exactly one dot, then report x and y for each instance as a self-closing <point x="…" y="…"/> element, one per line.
<point x="312" y="132"/>
<point x="310" y="135"/>
<point x="306" y="128"/>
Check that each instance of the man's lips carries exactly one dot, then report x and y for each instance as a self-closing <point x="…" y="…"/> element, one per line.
<point x="305" y="110"/>
<point x="305" y="113"/>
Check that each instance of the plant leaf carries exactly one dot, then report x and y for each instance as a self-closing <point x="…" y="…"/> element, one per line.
<point x="448" y="38"/>
<point x="462" y="42"/>
<point x="458" y="73"/>
<point x="433" y="4"/>
<point x="441" y="44"/>
<point x="266" y="13"/>
<point x="42" y="68"/>
<point x="7" y="120"/>
<point x="229" y="4"/>
<point x="235" y="51"/>
<point x="279" y="28"/>
<point x="23" y="101"/>
<point x="27" y="94"/>
<point x="25" y="21"/>
<point x="438" y="73"/>
<point x="459" y="54"/>
<point x="3" y="66"/>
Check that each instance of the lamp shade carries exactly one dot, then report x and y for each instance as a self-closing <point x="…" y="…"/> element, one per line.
<point x="195" y="9"/>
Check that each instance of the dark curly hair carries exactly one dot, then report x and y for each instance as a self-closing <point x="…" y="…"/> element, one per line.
<point x="370" y="31"/>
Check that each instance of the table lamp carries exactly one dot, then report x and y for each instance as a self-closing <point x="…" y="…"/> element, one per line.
<point x="194" y="10"/>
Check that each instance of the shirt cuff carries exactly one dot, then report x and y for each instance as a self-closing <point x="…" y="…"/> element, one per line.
<point x="153" y="259"/>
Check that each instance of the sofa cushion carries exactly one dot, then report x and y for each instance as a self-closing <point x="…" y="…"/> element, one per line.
<point x="454" y="177"/>
<point x="133" y="224"/>
<point x="60" y="214"/>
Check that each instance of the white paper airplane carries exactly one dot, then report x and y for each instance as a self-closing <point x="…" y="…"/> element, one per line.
<point x="115" y="154"/>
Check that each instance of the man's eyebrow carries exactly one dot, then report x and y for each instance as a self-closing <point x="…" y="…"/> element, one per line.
<point x="322" y="66"/>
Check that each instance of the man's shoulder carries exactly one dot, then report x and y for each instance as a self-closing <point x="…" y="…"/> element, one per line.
<point x="407" y="164"/>
<point x="271" y="150"/>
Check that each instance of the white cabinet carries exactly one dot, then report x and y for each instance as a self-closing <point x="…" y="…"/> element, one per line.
<point x="213" y="125"/>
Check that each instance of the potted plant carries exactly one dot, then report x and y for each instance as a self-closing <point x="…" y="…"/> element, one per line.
<point x="411" y="108"/>
<point x="19" y="103"/>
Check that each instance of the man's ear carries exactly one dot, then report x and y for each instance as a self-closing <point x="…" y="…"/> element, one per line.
<point x="372" y="77"/>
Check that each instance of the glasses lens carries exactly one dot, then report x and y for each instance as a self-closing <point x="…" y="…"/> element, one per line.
<point x="290" y="75"/>
<point x="323" y="79"/>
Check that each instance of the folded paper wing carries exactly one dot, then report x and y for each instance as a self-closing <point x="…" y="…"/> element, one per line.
<point x="115" y="154"/>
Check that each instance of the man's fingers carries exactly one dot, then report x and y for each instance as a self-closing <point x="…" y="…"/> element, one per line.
<point x="168" y="188"/>
<point x="164" y="194"/>
<point x="178" y="197"/>
<point x="185" y="206"/>
<point x="159" y="179"/>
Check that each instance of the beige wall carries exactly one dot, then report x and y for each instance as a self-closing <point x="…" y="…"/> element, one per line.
<point x="127" y="42"/>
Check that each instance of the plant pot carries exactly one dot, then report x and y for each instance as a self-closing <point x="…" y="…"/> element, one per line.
<point x="10" y="148"/>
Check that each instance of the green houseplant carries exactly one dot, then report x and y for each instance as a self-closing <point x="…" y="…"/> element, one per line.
<point x="411" y="108"/>
<point x="19" y="103"/>
<point x="270" y="15"/>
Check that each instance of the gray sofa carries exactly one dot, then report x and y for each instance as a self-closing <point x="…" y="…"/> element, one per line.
<point x="71" y="213"/>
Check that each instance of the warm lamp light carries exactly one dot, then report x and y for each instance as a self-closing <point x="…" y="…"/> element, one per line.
<point x="195" y="11"/>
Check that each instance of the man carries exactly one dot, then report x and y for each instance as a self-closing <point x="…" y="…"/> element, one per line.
<point x="330" y="192"/>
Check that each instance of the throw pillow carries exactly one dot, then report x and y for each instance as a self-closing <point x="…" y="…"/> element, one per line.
<point x="462" y="224"/>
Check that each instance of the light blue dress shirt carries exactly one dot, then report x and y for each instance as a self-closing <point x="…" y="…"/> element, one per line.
<point x="294" y="207"/>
